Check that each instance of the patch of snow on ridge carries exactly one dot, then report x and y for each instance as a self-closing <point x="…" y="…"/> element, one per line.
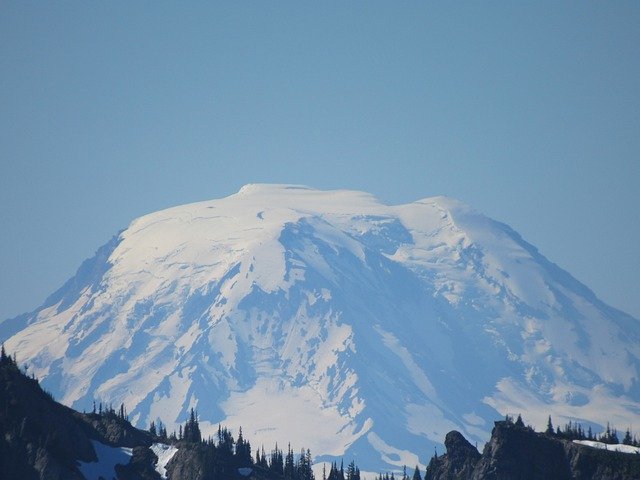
<point x="164" y="453"/>
<point x="620" y="447"/>
<point x="108" y="458"/>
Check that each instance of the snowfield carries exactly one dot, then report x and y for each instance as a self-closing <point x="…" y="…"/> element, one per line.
<point x="332" y="321"/>
<point x="164" y="453"/>
<point x="613" y="448"/>
<point x="108" y="458"/>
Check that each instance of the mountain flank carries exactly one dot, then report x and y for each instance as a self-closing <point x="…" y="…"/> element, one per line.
<point x="332" y="308"/>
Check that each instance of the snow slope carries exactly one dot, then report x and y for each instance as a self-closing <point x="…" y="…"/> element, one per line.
<point x="333" y="321"/>
<point x="164" y="453"/>
<point x="108" y="458"/>
<point x="618" y="447"/>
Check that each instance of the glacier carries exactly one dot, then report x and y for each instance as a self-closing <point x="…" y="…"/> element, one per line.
<point x="333" y="321"/>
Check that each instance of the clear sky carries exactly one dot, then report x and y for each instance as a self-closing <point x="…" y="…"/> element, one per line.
<point x="110" y="110"/>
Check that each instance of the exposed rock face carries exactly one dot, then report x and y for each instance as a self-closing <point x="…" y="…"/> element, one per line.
<point x="458" y="462"/>
<point x="589" y="463"/>
<point x="189" y="464"/>
<point x="115" y="431"/>
<point x="517" y="452"/>
<point x="140" y="467"/>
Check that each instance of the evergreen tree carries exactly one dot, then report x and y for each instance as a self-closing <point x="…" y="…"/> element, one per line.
<point x="225" y="443"/>
<point x="263" y="460"/>
<point x="163" y="432"/>
<point x="549" y="430"/>
<point x="609" y="436"/>
<point x="152" y="428"/>
<point x="333" y="472"/>
<point x="240" y="449"/>
<point x="243" y="451"/>
<point x="416" y="474"/>
<point x="336" y="473"/>
<point x="627" y="440"/>
<point x="191" y="432"/>
<point x="614" y="437"/>
<point x="289" y="465"/>
<point x="351" y="471"/>
<point x="276" y="464"/>
<point x="304" y="470"/>
<point x="519" y="422"/>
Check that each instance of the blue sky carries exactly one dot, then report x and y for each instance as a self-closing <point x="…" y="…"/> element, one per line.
<point x="110" y="110"/>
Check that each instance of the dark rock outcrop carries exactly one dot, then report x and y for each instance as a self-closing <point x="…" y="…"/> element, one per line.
<point x="202" y="461"/>
<point x="41" y="439"/>
<point x="516" y="452"/>
<point x="112" y="430"/>
<point x="189" y="464"/>
<point x="459" y="461"/>
<point x="140" y="467"/>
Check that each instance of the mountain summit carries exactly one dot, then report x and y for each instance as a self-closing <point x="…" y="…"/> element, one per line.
<point x="284" y="310"/>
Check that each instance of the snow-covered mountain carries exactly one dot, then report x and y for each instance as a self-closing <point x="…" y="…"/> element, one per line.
<point x="333" y="321"/>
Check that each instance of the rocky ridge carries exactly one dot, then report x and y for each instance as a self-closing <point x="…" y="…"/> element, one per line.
<point x="518" y="452"/>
